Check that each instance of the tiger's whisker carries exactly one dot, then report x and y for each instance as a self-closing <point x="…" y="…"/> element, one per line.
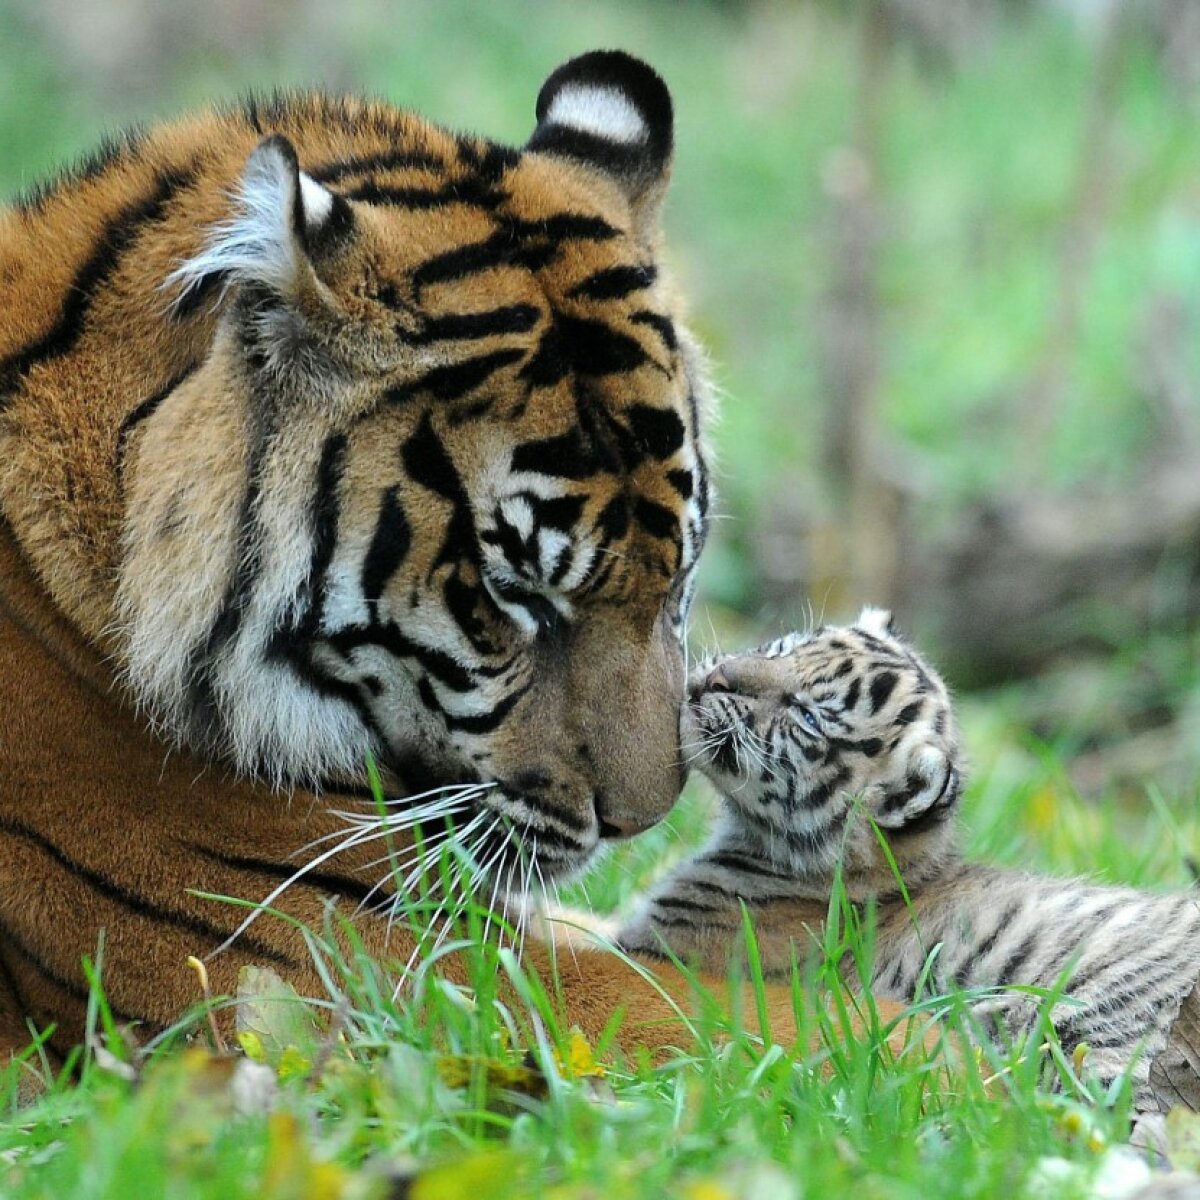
<point x="356" y="838"/>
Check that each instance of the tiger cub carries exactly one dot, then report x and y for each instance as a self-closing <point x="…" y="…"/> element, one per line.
<point x="826" y="747"/>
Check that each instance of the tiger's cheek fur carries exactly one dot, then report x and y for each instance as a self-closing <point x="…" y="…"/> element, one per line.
<point x="180" y="534"/>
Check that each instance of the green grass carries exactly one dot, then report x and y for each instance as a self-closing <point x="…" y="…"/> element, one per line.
<point x="444" y="1081"/>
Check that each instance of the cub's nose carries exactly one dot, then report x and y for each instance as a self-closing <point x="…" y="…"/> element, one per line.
<point x="719" y="679"/>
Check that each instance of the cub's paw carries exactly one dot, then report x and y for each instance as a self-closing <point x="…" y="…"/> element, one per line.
<point x="573" y="929"/>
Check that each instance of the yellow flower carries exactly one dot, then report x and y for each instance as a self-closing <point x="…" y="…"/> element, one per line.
<point x="580" y="1060"/>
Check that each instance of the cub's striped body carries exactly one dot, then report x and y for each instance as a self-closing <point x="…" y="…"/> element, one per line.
<point x="814" y="739"/>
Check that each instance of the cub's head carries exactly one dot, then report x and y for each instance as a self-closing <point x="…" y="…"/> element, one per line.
<point x="436" y="491"/>
<point x="809" y="736"/>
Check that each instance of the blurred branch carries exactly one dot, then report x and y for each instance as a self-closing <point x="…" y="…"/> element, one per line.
<point x="1166" y="381"/>
<point x="866" y="555"/>
<point x="1012" y="586"/>
<point x="1042" y="397"/>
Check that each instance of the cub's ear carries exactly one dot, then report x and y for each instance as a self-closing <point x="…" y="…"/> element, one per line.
<point x="611" y="112"/>
<point x="924" y="799"/>
<point x="280" y="212"/>
<point x="878" y="621"/>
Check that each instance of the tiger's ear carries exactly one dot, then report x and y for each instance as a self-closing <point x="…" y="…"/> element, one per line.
<point x="612" y="113"/>
<point x="878" y="621"/>
<point x="267" y="242"/>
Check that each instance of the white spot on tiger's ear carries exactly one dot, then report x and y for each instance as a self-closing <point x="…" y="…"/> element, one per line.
<point x="603" y="111"/>
<point x="277" y="206"/>
<point x="877" y="621"/>
<point x="318" y="202"/>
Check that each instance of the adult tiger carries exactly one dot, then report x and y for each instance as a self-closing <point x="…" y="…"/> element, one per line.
<point x="325" y="433"/>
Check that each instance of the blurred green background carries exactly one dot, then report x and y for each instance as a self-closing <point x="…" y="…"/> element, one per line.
<point x="946" y="257"/>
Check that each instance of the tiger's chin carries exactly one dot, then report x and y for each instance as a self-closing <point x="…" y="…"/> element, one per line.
<point x="519" y="833"/>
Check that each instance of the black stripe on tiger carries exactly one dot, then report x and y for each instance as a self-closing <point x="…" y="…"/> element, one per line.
<point x="118" y="893"/>
<point x="1103" y="976"/>
<point x="447" y="670"/>
<point x="293" y="643"/>
<point x="703" y="484"/>
<point x="820" y="795"/>
<point x="569" y="455"/>
<point x="614" y="283"/>
<point x="318" y="880"/>
<point x="881" y="688"/>
<point x="572" y="829"/>
<point x="390" y="544"/>
<point x="117" y="236"/>
<point x="655" y="519"/>
<point x="323" y="522"/>
<point x="238" y="595"/>
<point x="510" y="318"/>
<point x="477" y="723"/>
<point x="385" y="160"/>
<point x="689" y="904"/>
<point x="529" y="244"/>
<point x="468" y="191"/>
<point x="198" y="293"/>
<point x="144" y="410"/>
<point x="454" y="381"/>
<point x="1006" y="975"/>
<point x="10" y="984"/>
<point x="72" y="987"/>
<point x="595" y="348"/>
<point x="427" y="462"/>
<point x="662" y="326"/>
<point x="743" y="864"/>
<point x="681" y="481"/>
<point x="984" y="948"/>
<point x="657" y="433"/>
<point x="487" y="159"/>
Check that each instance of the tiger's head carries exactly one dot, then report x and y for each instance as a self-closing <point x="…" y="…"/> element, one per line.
<point x="816" y="737"/>
<point x="437" y="490"/>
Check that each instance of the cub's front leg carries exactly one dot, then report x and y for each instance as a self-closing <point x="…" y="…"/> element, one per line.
<point x="657" y="1000"/>
<point x="697" y="913"/>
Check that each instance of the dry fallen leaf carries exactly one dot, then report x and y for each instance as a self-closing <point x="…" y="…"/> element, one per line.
<point x="1175" y="1071"/>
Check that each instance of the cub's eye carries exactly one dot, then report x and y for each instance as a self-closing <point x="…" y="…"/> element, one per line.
<point x="805" y="714"/>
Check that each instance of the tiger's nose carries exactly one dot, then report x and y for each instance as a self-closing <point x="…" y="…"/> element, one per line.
<point x="613" y="829"/>
<point x="616" y="825"/>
